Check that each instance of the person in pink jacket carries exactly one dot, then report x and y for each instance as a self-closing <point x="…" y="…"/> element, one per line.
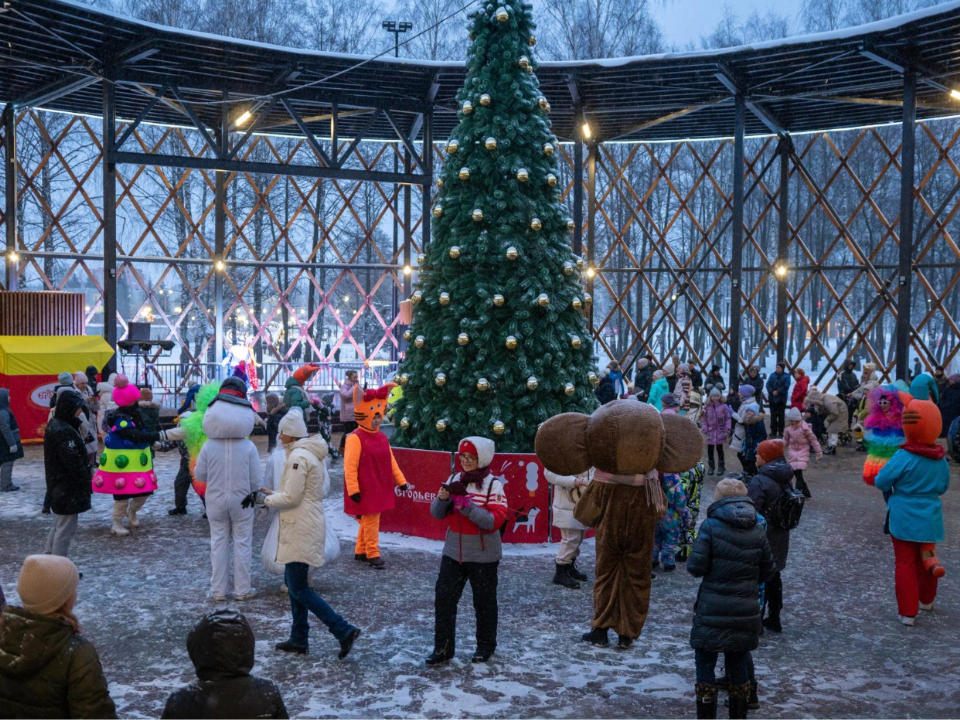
<point x="716" y="423"/>
<point x="799" y="440"/>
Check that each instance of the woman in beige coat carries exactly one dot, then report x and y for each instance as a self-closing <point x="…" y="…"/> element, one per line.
<point x="835" y="416"/>
<point x="299" y="498"/>
<point x="567" y="490"/>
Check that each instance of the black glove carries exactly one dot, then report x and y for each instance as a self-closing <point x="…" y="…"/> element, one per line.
<point x="253" y="499"/>
<point x="407" y="487"/>
<point x="355" y="497"/>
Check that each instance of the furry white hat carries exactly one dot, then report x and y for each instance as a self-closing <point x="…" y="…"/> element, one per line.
<point x="293" y="424"/>
<point x="482" y="447"/>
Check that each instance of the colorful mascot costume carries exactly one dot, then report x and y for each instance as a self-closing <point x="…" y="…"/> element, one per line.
<point x="915" y="478"/>
<point x="370" y="472"/>
<point x="882" y="429"/>
<point x="629" y="444"/>
<point x="193" y="434"/>
<point x="126" y="465"/>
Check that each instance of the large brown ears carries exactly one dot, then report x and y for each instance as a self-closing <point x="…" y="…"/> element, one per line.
<point x="683" y="447"/>
<point x="561" y="444"/>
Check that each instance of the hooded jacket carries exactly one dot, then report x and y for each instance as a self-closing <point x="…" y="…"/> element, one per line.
<point x="346" y="401"/>
<point x="848" y="381"/>
<point x="643" y="380"/>
<point x="779" y="384"/>
<point x="299" y="498"/>
<point x="836" y="417"/>
<point x="228" y="462"/>
<point x="9" y="430"/>
<point x="799" y="441"/>
<point x="221" y="647"/>
<point x="566" y="495"/>
<point x="763" y="490"/>
<point x="49" y="671"/>
<point x="732" y="555"/>
<point x="916" y="482"/>
<point x="659" y="388"/>
<point x="800" y="392"/>
<point x="65" y="459"/>
<point x="295" y="395"/>
<point x="716" y="422"/>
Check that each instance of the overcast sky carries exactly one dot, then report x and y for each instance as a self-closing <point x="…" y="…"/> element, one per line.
<point x="686" y="21"/>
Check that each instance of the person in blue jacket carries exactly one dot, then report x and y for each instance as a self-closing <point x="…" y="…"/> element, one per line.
<point x="916" y="476"/>
<point x="778" y="392"/>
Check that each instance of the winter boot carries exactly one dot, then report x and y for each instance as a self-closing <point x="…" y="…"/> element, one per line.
<point x="346" y="645"/>
<point x="721" y="470"/>
<point x="376" y="563"/>
<point x="624" y="642"/>
<point x="439" y="657"/>
<point x="576" y="574"/>
<point x="706" y="700"/>
<point x="481" y="656"/>
<point x="562" y="577"/>
<point x="831" y="450"/>
<point x="596" y="637"/>
<point x="360" y="557"/>
<point x="288" y="646"/>
<point x="119" y="512"/>
<point x="772" y="621"/>
<point x="710" y="468"/>
<point x="739" y="697"/>
<point x="133" y="508"/>
<point x="753" y="702"/>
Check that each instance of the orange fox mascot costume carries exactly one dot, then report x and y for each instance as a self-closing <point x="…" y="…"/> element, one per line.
<point x="370" y="472"/>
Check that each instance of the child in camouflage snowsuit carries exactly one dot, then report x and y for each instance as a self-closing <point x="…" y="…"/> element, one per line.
<point x="666" y="541"/>
<point x="692" y="483"/>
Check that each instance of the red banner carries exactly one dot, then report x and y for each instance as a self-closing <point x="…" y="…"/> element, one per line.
<point x="522" y="477"/>
<point x="30" y="402"/>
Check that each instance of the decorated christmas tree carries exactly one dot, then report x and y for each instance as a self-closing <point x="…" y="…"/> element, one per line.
<point x="498" y="341"/>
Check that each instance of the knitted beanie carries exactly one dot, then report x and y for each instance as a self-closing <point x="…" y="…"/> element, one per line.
<point x="293" y="424"/>
<point x="79" y="377"/>
<point x="770" y="450"/>
<point x="794" y="415"/>
<point x="46" y="583"/>
<point x="747" y="391"/>
<point x="751" y="407"/>
<point x="668" y="400"/>
<point x="714" y="392"/>
<point x="729" y="488"/>
<point x="124" y="393"/>
<point x="65" y="378"/>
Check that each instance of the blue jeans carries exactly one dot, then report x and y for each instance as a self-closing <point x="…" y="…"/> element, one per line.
<point x="738" y="666"/>
<point x="302" y="599"/>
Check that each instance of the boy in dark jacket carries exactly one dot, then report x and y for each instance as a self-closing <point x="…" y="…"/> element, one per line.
<point x="11" y="449"/>
<point x="221" y="647"/>
<point x="778" y="391"/>
<point x="774" y="476"/>
<point x="732" y="555"/>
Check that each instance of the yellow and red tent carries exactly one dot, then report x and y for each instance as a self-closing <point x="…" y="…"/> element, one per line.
<point x="29" y="367"/>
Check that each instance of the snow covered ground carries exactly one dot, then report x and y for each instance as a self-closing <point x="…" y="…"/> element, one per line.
<point x="842" y="653"/>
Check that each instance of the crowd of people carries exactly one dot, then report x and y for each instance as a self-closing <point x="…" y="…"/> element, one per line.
<point x="644" y="503"/>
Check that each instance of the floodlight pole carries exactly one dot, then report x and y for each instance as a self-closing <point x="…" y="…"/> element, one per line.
<point x="908" y="149"/>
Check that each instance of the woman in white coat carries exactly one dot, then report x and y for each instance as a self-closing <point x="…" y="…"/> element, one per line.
<point x="299" y="499"/>
<point x="567" y="490"/>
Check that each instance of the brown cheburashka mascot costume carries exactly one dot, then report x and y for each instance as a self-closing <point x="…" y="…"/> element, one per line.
<point x="630" y="444"/>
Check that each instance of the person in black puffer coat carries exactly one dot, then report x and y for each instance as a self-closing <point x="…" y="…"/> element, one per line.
<point x="221" y="647"/>
<point x="775" y="475"/>
<point x="643" y="380"/>
<point x="732" y="555"/>
<point x="68" y="472"/>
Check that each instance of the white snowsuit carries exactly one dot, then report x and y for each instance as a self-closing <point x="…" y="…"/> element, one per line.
<point x="230" y="465"/>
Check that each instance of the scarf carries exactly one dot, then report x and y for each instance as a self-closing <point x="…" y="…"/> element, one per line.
<point x="473" y="477"/>
<point x="934" y="452"/>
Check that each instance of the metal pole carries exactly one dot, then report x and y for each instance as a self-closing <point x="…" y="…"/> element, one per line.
<point x="578" y="197"/>
<point x="591" y="224"/>
<point x="907" y="164"/>
<point x="396" y="226"/>
<point x="110" y="220"/>
<point x="736" y="247"/>
<point x="426" y="214"/>
<point x="10" y="211"/>
<point x="783" y="238"/>
<point x="220" y="236"/>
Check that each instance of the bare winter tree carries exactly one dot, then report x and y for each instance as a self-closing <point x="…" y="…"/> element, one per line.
<point x="583" y="29"/>
<point x="334" y="26"/>
<point x="437" y="35"/>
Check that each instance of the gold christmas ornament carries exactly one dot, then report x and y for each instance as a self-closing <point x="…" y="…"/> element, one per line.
<point x="587" y="298"/>
<point x="547" y="109"/>
<point x="407" y="335"/>
<point x="531" y="41"/>
<point x="463" y="339"/>
<point x="404" y="422"/>
<point x="404" y="379"/>
<point x="530" y="71"/>
<point x="416" y="297"/>
<point x="421" y="259"/>
<point x="511" y="342"/>
<point x="440" y="379"/>
<point x="483" y="384"/>
<point x="499" y="300"/>
<point x="502" y="15"/>
<point x="532" y="383"/>
<point x="454" y="252"/>
<point x="571" y="225"/>
<point x="580" y="263"/>
<point x="439" y="182"/>
<point x="464" y="173"/>
<point x="490" y="143"/>
<point x="512" y="253"/>
<point x="568" y="268"/>
<point x="543" y="300"/>
<point x="575" y="342"/>
<point x="499" y="427"/>
<point x="542" y="102"/>
<point x="444" y="298"/>
<point x="577" y="304"/>
<point x="419" y="341"/>
<point x="592" y="377"/>
<point x="552" y="180"/>
<point x="569" y="389"/>
<point x="477" y="215"/>
<point x="535" y="224"/>
<point x="441" y="425"/>
<point x="485" y="99"/>
<point x="467" y="107"/>
<point x="523" y="175"/>
<point x="438" y="211"/>
<point x="524" y="62"/>
<point x="548" y="148"/>
<point x="453" y="146"/>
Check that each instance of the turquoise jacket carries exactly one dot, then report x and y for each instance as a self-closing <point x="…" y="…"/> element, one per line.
<point x="657" y="391"/>
<point x="914" y="511"/>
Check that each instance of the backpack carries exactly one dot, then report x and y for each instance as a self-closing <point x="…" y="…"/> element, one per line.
<point x="787" y="509"/>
